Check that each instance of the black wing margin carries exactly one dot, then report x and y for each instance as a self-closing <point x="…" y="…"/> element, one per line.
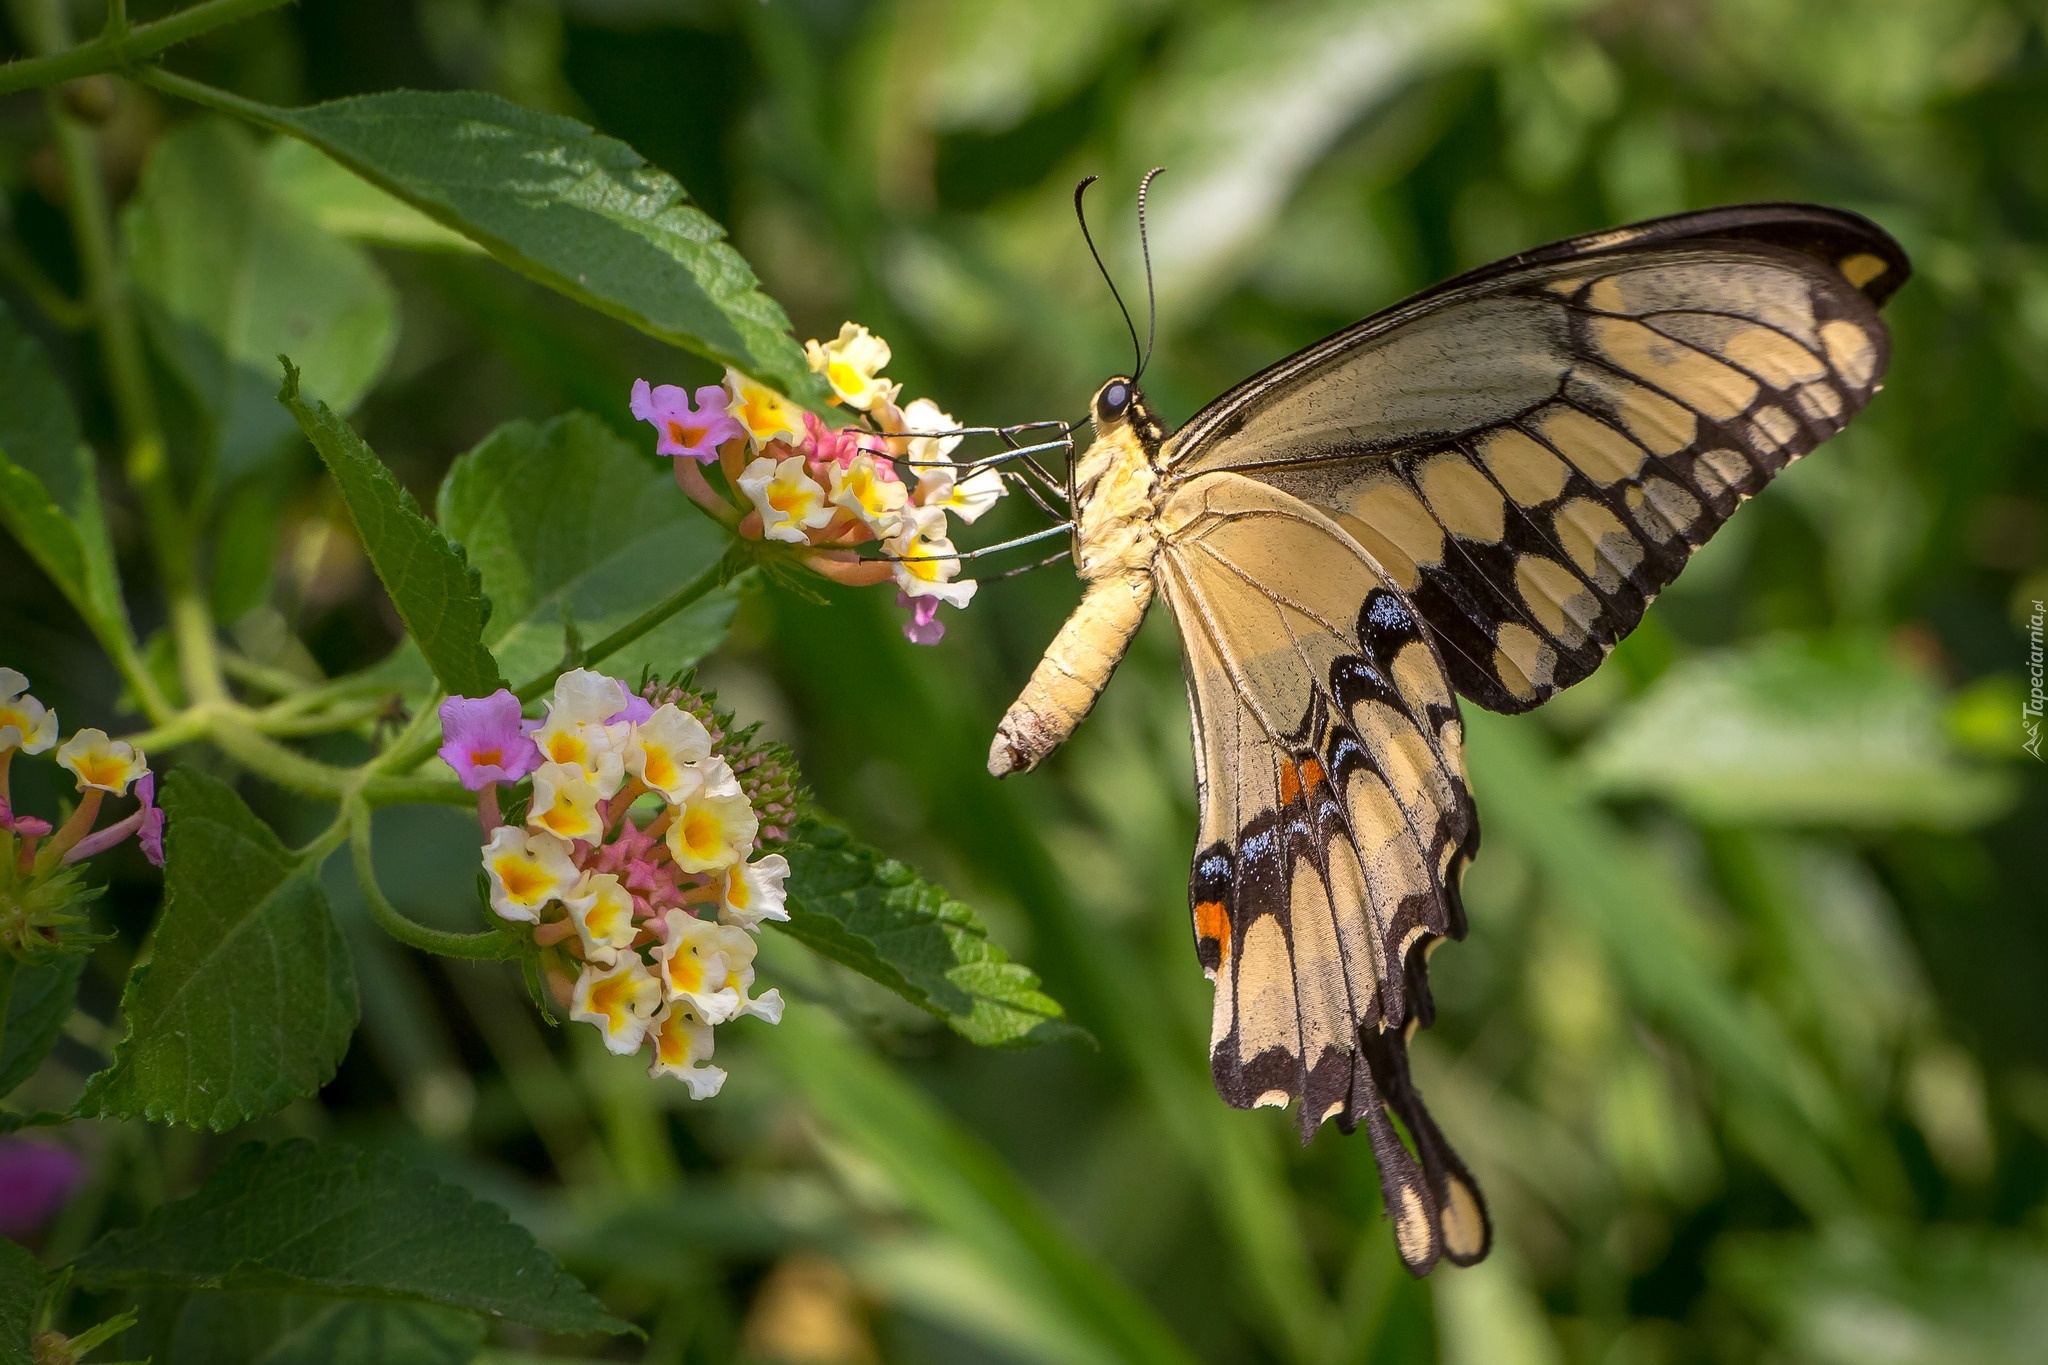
<point x="1534" y="450"/>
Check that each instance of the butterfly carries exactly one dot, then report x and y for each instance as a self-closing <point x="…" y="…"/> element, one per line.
<point x="1475" y="493"/>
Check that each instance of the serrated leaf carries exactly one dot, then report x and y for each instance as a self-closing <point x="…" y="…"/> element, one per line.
<point x="565" y="515"/>
<point x="21" y="1284"/>
<point x="283" y="1329"/>
<point x="49" y="492"/>
<point x="41" y="1001"/>
<point x="247" y="999"/>
<point x="851" y="903"/>
<point x="430" y="582"/>
<point x="332" y="1220"/>
<point x="231" y="274"/>
<point x="580" y="212"/>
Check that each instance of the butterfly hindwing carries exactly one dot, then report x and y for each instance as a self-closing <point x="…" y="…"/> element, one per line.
<point x="1534" y="452"/>
<point x="1335" y="824"/>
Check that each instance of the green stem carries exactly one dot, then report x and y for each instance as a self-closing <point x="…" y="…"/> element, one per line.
<point x="404" y="759"/>
<point x="121" y="46"/>
<point x="106" y="294"/>
<point x="277" y="682"/>
<point x="489" y="946"/>
<point x="646" y="621"/>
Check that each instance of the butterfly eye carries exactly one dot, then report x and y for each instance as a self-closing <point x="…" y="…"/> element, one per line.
<point x="1115" y="398"/>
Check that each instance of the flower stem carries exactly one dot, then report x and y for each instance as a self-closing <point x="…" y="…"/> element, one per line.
<point x="46" y="25"/>
<point x="489" y="946"/>
<point x="701" y="585"/>
<point x="121" y="46"/>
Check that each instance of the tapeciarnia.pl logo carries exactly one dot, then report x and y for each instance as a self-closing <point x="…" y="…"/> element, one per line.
<point x="2030" y="714"/>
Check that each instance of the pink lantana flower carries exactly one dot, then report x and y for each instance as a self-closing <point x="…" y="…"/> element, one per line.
<point x="685" y="429"/>
<point x="824" y="446"/>
<point x="486" y="743"/>
<point x="151" y="832"/>
<point x="924" y="626"/>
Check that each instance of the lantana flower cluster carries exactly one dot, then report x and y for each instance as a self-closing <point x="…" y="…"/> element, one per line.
<point x="40" y="885"/>
<point x="793" y="479"/>
<point x="636" y="856"/>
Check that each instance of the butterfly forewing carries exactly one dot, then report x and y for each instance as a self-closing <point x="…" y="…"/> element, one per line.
<point x="1534" y="453"/>
<point x="1334" y="825"/>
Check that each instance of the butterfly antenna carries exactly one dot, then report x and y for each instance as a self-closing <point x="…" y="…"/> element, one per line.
<point x="1089" y="238"/>
<point x="1151" y="299"/>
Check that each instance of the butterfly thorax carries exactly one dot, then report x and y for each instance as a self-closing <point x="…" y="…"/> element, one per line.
<point x="1116" y="486"/>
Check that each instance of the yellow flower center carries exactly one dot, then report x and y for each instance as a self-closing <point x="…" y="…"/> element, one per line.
<point x="737" y="894"/>
<point x="563" y="820"/>
<point x="522" y="880"/>
<point x="703" y="834"/>
<point x="608" y="916"/>
<point x="613" y="998"/>
<point x="845" y="379"/>
<point x="683" y="435"/>
<point x="686" y="972"/>
<point x="10" y="715"/>
<point x="672" y="1044"/>
<point x="487" y="758"/>
<point x="790" y="498"/>
<point x="101" y="770"/>
<point x="658" y="770"/>
<point x="566" y="746"/>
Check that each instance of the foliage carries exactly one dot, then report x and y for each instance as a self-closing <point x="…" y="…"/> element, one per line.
<point x="1746" y="1045"/>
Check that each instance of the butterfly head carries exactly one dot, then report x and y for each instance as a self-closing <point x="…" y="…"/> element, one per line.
<point x="1119" y="405"/>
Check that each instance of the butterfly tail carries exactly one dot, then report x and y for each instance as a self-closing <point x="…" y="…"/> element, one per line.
<point x="1466" y="1229"/>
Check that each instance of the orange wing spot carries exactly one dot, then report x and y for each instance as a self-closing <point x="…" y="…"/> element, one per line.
<point x="1295" y="778"/>
<point x="1213" y="922"/>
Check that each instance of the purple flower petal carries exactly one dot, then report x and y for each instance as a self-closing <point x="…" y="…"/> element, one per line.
<point x="36" y="1178"/>
<point x="682" y="428"/>
<point x="924" y="626"/>
<point x="151" y="835"/>
<point x="486" y="740"/>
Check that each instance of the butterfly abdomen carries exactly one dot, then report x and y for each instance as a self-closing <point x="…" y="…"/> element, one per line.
<point x="1117" y="541"/>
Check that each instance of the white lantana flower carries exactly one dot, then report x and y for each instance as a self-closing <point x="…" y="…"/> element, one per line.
<point x="753" y="892"/>
<point x="714" y="826"/>
<point x="852" y="364"/>
<point x="527" y="869"/>
<point x="602" y="910"/>
<point x="927" y="561"/>
<point x="693" y="967"/>
<point x="860" y="488"/>
<point x="565" y="803"/>
<point x="25" y="723"/>
<point x="789" y="500"/>
<point x="100" y="763"/>
<point x="621" y="1000"/>
<point x="580" y="729"/>
<point x="663" y="750"/>
<point x="682" y="1048"/>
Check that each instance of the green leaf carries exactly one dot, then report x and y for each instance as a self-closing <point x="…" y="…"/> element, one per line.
<point x="1072" y="1306"/>
<point x="1914" y="1296"/>
<point x="864" y="910"/>
<point x="21" y="1285"/>
<point x="331" y="1220"/>
<point x="349" y="206"/>
<point x="567" y="516"/>
<point x="247" y="999"/>
<point x="36" y="1010"/>
<point x="1796" y="730"/>
<point x="233" y="274"/>
<point x="431" y="584"/>
<point x="282" y="1329"/>
<point x="49" y="491"/>
<point x="581" y="213"/>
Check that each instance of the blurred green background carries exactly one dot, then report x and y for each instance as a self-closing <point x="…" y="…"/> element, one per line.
<point x="1749" y="1043"/>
